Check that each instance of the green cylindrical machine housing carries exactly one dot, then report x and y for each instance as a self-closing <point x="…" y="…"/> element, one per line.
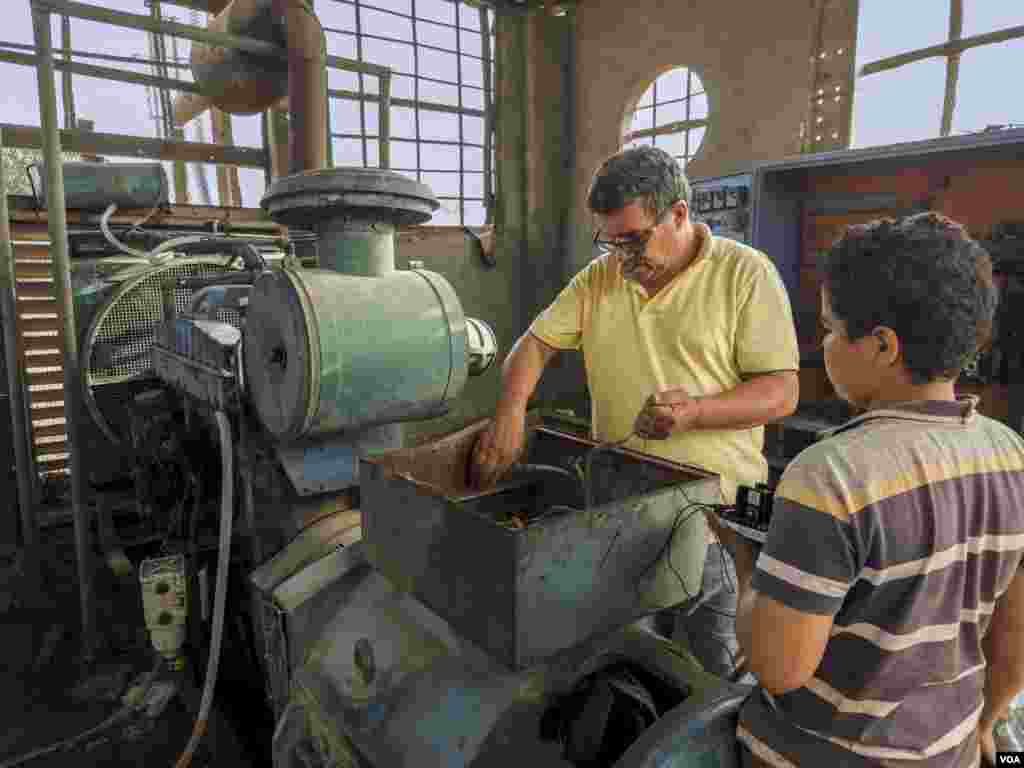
<point x="328" y="353"/>
<point x="94" y="186"/>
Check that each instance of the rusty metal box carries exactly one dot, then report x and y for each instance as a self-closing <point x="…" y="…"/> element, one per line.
<point x="525" y="591"/>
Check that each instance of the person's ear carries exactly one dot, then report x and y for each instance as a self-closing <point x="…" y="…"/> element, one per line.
<point x="888" y="344"/>
<point x="680" y="213"/>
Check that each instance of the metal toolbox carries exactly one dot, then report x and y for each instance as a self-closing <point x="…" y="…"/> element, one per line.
<point x="525" y="592"/>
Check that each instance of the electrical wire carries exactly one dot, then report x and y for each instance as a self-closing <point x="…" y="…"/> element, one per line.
<point x="683" y="516"/>
<point x="220" y="595"/>
<point x="115" y="719"/>
<point x="588" y="475"/>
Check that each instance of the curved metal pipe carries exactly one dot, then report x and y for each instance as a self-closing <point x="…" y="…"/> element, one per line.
<point x="307" y="84"/>
<point x="242" y="83"/>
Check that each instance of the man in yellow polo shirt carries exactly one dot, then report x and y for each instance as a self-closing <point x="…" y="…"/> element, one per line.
<point x="689" y="348"/>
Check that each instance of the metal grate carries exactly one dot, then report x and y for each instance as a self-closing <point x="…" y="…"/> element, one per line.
<point x="119" y="345"/>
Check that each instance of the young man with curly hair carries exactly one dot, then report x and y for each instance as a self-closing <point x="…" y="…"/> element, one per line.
<point x="884" y="617"/>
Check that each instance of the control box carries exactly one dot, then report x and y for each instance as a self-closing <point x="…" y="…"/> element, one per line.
<point x="752" y="514"/>
<point x="724" y="204"/>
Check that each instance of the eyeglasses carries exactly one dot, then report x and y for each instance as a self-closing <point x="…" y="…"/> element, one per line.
<point x="633" y="247"/>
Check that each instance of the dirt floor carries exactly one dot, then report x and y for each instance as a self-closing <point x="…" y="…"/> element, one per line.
<point x="51" y="693"/>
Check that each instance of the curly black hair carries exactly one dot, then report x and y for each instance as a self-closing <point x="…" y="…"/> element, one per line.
<point x="648" y="174"/>
<point x="924" y="277"/>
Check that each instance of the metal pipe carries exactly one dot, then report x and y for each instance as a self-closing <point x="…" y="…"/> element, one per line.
<point x="307" y="85"/>
<point x="365" y="248"/>
<point x="57" y="217"/>
<point x="352" y="247"/>
<point x="15" y="385"/>
<point x="384" y="121"/>
<point x="147" y="24"/>
<point x="277" y="136"/>
<point x="70" y="121"/>
<point x="89" y="143"/>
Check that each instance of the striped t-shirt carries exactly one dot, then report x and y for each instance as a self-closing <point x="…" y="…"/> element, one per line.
<point x="905" y="525"/>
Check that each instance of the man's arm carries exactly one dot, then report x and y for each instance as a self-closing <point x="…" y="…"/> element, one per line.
<point x="522" y="370"/>
<point x="758" y="400"/>
<point x="1004" y="658"/>
<point x="501" y="443"/>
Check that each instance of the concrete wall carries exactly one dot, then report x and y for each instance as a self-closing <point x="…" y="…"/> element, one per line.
<point x="753" y="58"/>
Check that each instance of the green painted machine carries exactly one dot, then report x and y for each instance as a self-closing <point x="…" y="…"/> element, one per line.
<point x="400" y="618"/>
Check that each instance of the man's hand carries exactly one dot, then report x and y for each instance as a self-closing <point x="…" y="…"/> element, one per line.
<point x="498" y="447"/>
<point x="666" y="413"/>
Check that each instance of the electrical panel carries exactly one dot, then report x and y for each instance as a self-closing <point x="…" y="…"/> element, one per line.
<point x="723" y="203"/>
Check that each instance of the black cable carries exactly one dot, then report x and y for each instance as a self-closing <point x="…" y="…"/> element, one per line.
<point x="666" y="547"/>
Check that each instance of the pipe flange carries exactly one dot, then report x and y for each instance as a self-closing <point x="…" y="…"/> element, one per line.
<point x="313" y="198"/>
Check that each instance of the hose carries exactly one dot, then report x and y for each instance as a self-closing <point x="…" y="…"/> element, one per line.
<point x="252" y="258"/>
<point x="105" y="229"/>
<point x="110" y="722"/>
<point x="174" y="242"/>
<point x="220" y="596"/>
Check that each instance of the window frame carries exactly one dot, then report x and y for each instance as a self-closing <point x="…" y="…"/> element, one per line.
<point x="684" y="126"/>
<point x="952" y="49"/>
<point x="365" y="99"/>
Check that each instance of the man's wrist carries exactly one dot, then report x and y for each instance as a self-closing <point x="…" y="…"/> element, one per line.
<point x="699" y="412"/>
<point x="513" y="405"/>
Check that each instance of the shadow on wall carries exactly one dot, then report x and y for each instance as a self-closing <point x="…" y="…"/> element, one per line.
<point x="486" y="293"/>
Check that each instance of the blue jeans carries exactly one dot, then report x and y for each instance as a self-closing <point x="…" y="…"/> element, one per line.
<point x="706" y="623"/>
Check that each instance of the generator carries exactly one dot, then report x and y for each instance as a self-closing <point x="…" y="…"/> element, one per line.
<point x="397" y="616"/>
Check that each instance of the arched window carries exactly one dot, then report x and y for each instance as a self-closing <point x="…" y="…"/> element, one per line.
<point x="672" y="114"/>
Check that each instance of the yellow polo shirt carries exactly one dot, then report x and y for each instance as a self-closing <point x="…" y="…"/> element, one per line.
<point x="726" y="317"/>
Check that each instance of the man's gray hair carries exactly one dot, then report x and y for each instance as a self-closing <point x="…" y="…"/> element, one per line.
<point x="647" y="174"/>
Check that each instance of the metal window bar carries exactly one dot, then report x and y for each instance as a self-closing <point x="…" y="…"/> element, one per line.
<point x="427" y="142"/>
<point x="458" y="76"/>
<point x="411" y="104"/>
<point x="686" y="134"/>
<point x="419" y="77"/>
<point x="384" y="122"/>
<point x="160" y="51"/>
<point x="416" y="89"/>
<point x="63" y="53"/>
<point x="67" y="85"/>
<point x="407" y="16"/>
<point x="386" y="39"/>
<point x="362" y="88"/>
<point x="485" y="34"/>
<point x="416" y="45"/>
